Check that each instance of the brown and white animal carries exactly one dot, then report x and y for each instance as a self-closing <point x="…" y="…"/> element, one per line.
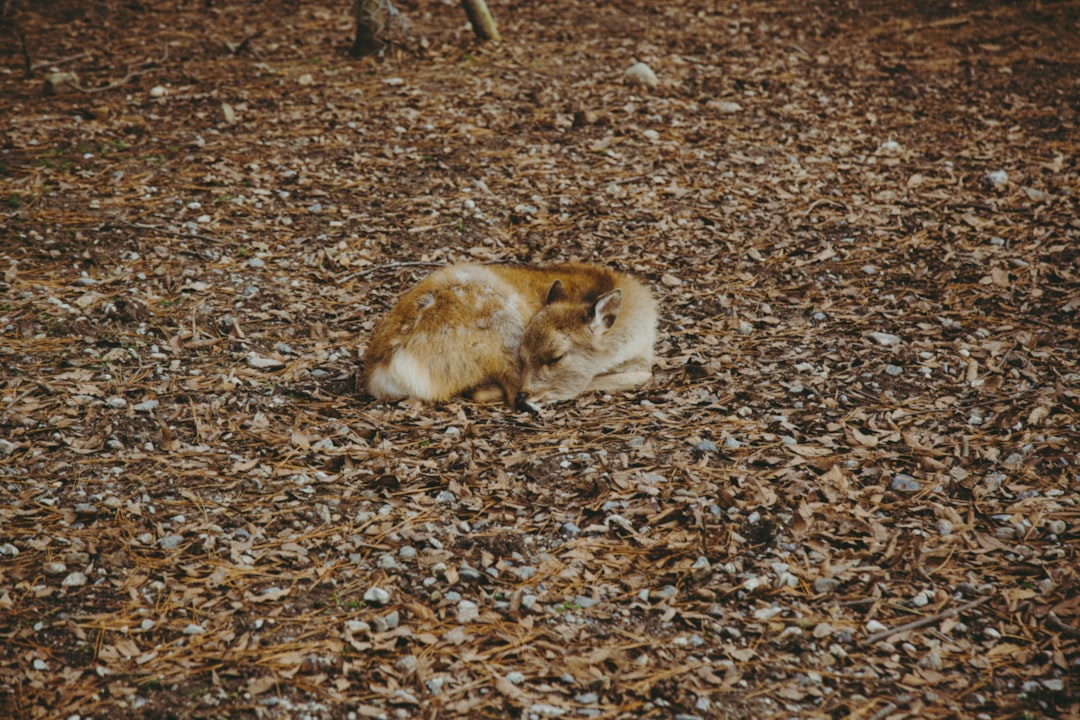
<point x="529" y="335"/>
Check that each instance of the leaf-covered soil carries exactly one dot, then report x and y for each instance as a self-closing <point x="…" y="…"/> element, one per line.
<point x="850" y="491"/>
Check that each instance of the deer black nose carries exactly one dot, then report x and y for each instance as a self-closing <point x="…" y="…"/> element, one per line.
<point x="521" y="402"/>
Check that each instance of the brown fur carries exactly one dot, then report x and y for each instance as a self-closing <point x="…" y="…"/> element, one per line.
<point x="528" y="335"/>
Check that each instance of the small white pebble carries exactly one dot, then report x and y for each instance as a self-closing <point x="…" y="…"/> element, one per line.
<point x="642" y="74"/>
<point x="767" y="613"/>
<point x="467" y="611"/>
<point x="357" y="627"/>
<point x="890" y="148"/>
<point x="75" y="579"/>
<point x="996" y="180"/>
<point x="376" y="596"/>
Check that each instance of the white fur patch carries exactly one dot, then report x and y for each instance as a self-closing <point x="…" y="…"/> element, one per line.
<point x="470" y="274"/>
<point x="404" y="376"/>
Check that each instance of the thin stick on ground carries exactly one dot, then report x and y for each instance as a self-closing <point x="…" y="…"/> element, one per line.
<point x="147" y="64"/>
<point x="388" y="267"/>
<point x="164" y="231"/>
<point x="892" y="706"/>
<point x="60" y="61"/>
<point x="923" y="622"/>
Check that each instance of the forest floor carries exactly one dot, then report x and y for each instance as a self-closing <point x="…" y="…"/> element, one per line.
<point x="851" y="491"/>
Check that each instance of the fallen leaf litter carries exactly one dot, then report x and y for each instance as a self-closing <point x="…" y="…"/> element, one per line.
<point x="850" y="491"/>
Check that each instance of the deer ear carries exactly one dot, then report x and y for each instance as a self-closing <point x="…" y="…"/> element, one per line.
<point x="557" y="293"/>
<point x="606" y="310"/>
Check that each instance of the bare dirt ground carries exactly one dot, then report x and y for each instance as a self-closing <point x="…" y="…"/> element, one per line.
<point x="851" y="491"/>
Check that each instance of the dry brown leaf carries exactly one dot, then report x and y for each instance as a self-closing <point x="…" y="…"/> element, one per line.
<point x="864" y="439"/>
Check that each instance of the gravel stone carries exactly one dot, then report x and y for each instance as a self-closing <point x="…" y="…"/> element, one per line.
<point x="642" y="74"/>
<point x="75" y="579"/>
<point x="357" y="627"/>
<point x="825" y="584"/>
<point x="263" y="363"/>
<point x="767" y="613"/>
<point x="54" y="568"/>
<point x="884" y="338"/>
<point x="890" y="148"/>
<point x="170" y="542"/>
<point x="996" y="180"/>
<point x="905" y="484"/>
<point x="376" y="596"/>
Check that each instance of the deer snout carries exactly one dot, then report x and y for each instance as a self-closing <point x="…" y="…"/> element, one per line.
<point x="521" y="402"/>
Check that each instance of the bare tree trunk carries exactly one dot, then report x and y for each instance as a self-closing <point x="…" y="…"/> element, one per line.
<point x="377" y="21"/>
<point x="483" y="24"/>
<point x="370" y="18"/>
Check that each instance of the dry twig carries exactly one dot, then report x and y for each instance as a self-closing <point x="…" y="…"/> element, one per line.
<point x="61" y="61"/>
<point x="165" y="231"/>
<point x="923" y="622"/>
<point x="892" y="706"/>
<point x="148" y="64"/>
<point x="1055" y="622"/>
<point x="387" y="268"/>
